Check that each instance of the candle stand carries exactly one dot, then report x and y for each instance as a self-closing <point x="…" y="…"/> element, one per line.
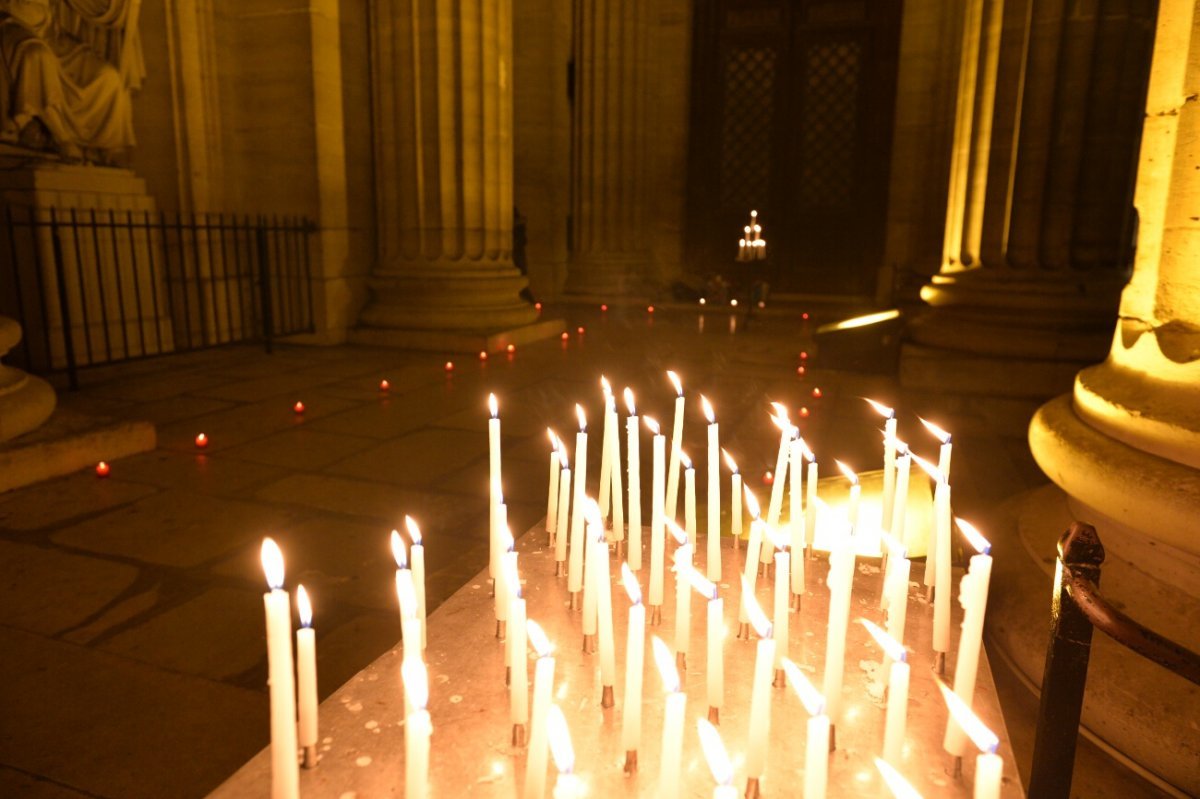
<point x="472" y="752"/>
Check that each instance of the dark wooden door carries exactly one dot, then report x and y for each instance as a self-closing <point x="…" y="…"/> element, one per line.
<point x="792" y="106"/>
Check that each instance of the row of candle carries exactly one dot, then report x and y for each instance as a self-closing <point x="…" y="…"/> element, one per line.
<point x="752" y="246"/>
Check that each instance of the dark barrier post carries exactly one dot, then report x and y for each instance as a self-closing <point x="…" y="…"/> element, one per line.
<point x="264" y="280"/>
<point x="64" y="304"/>
<point x="1080" y="552"/>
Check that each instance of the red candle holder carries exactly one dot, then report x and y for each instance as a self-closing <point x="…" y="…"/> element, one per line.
<point x="565" y="335"/>
<point x="449" y="366"/>
<point x="768" y="478"/>
<point x="803" y="355"/>
<point x="800" y="370"/>
<point x="580" y="330"/>
<point x="604" y="307"/>
<point x="804" y="413"/>
<point x="201" y="441"/>
<point x="102" y="469"/>
<point x="649" y="309"/>
<point x="537" y="306"/>
<point x="298" y="407"/>
<point x="483" y="356"/>
<point x="385" y="385"/>
<point x="816" y="393"/>
<point x="511" y="348"/>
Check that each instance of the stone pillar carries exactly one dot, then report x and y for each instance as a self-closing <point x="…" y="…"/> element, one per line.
<point x="25" y="401"/>
<point x="610" y="252"/>
<point x="443" y="146"/>
<point x="1124" y="448"/>
<point x="1037" y="222"/>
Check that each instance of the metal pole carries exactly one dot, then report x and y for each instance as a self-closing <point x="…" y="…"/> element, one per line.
<point x="1063" y="681"/>
<point x="264" y="280"/>
<point x="64" y="304"/>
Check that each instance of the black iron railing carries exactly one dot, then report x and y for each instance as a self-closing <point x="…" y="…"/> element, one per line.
<point x="1076" y="609"/>
<point x="93" y="287"/>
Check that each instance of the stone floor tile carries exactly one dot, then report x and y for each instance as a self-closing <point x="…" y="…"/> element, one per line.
<point x="195" y="471"/>
<point x="244" y="423"/>
<point x="115" y="614"/>
<point x="74" y="496"/>
<point x="299" y="449"/>
<point x="176" y="408"/>
<point x="417" y="459"/>
<point x="16" y="783"/>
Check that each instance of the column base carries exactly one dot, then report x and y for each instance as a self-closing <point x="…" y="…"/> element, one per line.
<point x="25" y="401"/>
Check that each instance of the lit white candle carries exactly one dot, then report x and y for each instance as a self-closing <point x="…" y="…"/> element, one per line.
<point x="887" y="500"/>
<point x="718" y="760"/>
<point x="543" y="685"/>
<point x="306" y="678"/>
<point x="518" y="669"/>
<point x="671" y="501"/>
<point x="673" y="712"/>
<point x="810" y="499"/>
<point x="500" y="598"/>
<point x="635" y="654"/>
<point x="779" y="477"/>
<point x="840" y="581"/>
<point x="594" y="533"/>
<point x="943" y="438"/>
<point x="285" y="774"/>
<point x="567" y="785"/>
<point x="897" y="699"/>
<point x="895" y="589"/>
<point x="796" y="515"/>
<point x="713" y="562"/>
<point x="615" y="480"/>
<point x="606" y="454"/>
<point x="552" y="492"/>
<point x="783" y="591"/>
<point x="816" y="746"/>
<point x="689" y="496"/>
<point x="939" y="551"/>
<point x="683" y="593"/>
<point x="410" y="625"/>
<point x="972" y="594"/>
<point x="417" y="729"/>
<point x="417" y="551"/>
<point x="564" y="503"/>
<point x="943" y="470"/>
<point x="989" y="768"/>
<point x="715" y="628"/>
<point x="633" y="445"/>
<point x="735" y="499"/>
<point x="657" y="522"/>
<point x="575" y="568"/>
<point x="760" y="694"/>
<point x="494" y="482"/>
<point x="897" y="786"/>
<point x="750" y="567"/>
<point x="900" y="505"/>
<point x="855" y="496"/>
<point x="604" y="620"/>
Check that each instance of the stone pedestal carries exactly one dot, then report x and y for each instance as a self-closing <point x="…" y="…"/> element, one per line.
<point x="444" y="186"/>
<point x="1125" y="446"/>
<point x="25" y="401"/>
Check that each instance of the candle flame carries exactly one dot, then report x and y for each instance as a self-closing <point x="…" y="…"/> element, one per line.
<point x="976" y="730"/>
<point x="651" y="425"/>
<point x="972" y="534"/>
<point x="900" y="788"/>
<point x="606" y="387"/>
<point x="591" y="514"/>
<point x="414" y="532"/>
<point x="303" y="607"/>
<point x="938" y="433"/>
<point x="704" y="586"/>
<point x="416" y="682"/>
<point x="685" y="460"/>
<point x="895" y="546"/>
<point x="758" y="619"/>
<point x="398" y="552"/>
<point x="272" y="563"/>
<point x="678" y="533"/>
<point x="781" y="410"/>
<point x="550" y="434"/>
<point x="538" y="641"/>
<point x="751" y="503"/>
<point x="708" y="409"/>
<point x="675" y="382"/>
<point x="810" y="697"/>
<point x="754" y="214"/>
<point x="506" y="540"/>
<point x="666" y="665"/>
<point x="493" y="406"/>
<point x="406" y="594"/>
<point x="809" y="455"/>
<point x="563" y="461"/>
<point x="890" y="646"/>
<point x="629" y="580"/>
<point x="581" y="416"/>
<point x="929" y="469"/>
<point x="715" y="753"/>
<point x="881" y="409"/>
<point x="559" y="736"/>
<point x="729" y="461"/>
<point x="846" y="470"/>
<point x="629" y="401"/>
<point x="776" y="536"/>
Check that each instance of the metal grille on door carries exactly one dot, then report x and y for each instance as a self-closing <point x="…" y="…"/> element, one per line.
<point x="830" y="112"/>
<point x="746" y="129"/>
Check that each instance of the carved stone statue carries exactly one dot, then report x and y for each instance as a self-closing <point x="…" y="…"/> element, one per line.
<point x="67" y="68"/>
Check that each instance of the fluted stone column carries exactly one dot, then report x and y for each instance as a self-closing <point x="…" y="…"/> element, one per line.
<point x="1037" y="221"/>
<point x="25" y="401"/>
<point x="1124" y="447"/>
<point x="444" y="184"/>
<point x="610" y="253"/>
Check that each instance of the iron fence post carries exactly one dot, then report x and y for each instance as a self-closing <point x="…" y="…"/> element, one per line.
<point x="64" y="303"/>
<point x="264" y="280"/>
<point x="1065" y="675"/>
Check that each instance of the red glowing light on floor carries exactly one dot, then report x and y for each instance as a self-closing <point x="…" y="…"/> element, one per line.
<point x="511" y="348"/>
<point x="804" y="413"/>
<point x="804" y="316"/>
<point x="483" y="355"/>
<point x="449" y="366"/>
<point x="650" y="309"/>
<point x="384" y="385"/>
<point x="817" y="393"/>
<point x="804" y="356"/>
<point x="537" y="306"/>
<point x="768" y="478"/>
<point x="298" y="407"/>
<point x="580" y="330"/>
<point x="800" y="370"/>
<point x="603" y="307"/>
<point x="201" y="441"/>
<point x="565" y="335"/>
<point x="102" y="469"/>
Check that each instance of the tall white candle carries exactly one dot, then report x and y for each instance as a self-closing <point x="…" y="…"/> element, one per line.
<point x="855" y="496"/>
<point x="900" y="505"/>
<point x="673" y="712"/>
<point x="943" y="438"/>
<point x="683" y="593"/>
<point x="504" y="545"/>
<point x="552" y="491"/>
<point x="689" y="496"/>
<point x="816" y="745"/>
<point x="840" y="581"/>
<point x="306" y="678"/>
<point x="277" y="604"/>
<point x="494" y="482"/>
<point x="888" y="496"/>
<point x="796" y="491"/>
<point x="717" y="758"/>
<point x="543" y="685"/>
<point x="989" y="767"/>
<point x="418" y="572"/>
<point x="575" y="568"/>
<point x="567" y="785"/>
<point x="606" y="454"/>
<point x="989" y="770"/>
<point x="564" y="504"/>
<point x="897" y="699"/>
<point x="417" y="730"/>
<point x="631" y="718"/>
<point x="713" y="558"/>
<point x="633" y="445"/>
<point x="735" y="499"/>
<point x="941" y="599"/>
<point x="671" y="500"/>
<point x="594" y="540"/>
<point x="750" y="567"/>
<point x="972" y="594"/>
<point x="899" y="567"/>
<point x="760" y="692"/>
<point x="810" y="499"/>
<point x="657" y="532"/>
<point x="518" y="677"/>
<point x="604" y="619"/>
<point x="617" y="483"/>
<point x="779" y="478"/>
<point x="410" y="625"/>
<point x="715" y="680"/>
<point x="783" y="590"/>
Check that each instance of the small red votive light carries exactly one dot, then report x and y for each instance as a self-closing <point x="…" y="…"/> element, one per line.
<point x="768" y="478"/>
<point x="650" y="309"/>
<point x="483" y="355"/>
<point x="298" y="407"/>
<point x="580" y="330"/>
<point x="804" y="356"/>
<point x="384" y="385"/>
<point x="804" y="413"/>
<point x="102" y="469"/>
<point x="565" y="335"/>
<point x="537" y="306"/>
<point x="603" y="307"/>
<point x="817" y="393"/>
<point x="201" y="441"/>
<point x="511" y="348"/>
<point x="800" y="370"/>
<point x="449" y="366"/>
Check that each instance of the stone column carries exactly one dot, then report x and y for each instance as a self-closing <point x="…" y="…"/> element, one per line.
<point x="1037" y="220"/>
<point x="443" y="147"/>
<point x="1124" y="447"/>
<point x="25" y="401"/>
<point x="610" y="253"/>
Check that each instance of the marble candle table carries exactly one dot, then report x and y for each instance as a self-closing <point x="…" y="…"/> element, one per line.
<point x="362" y="749"/>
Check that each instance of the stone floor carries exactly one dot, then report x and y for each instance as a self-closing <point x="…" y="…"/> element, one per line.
<point x="130" y="607"/>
